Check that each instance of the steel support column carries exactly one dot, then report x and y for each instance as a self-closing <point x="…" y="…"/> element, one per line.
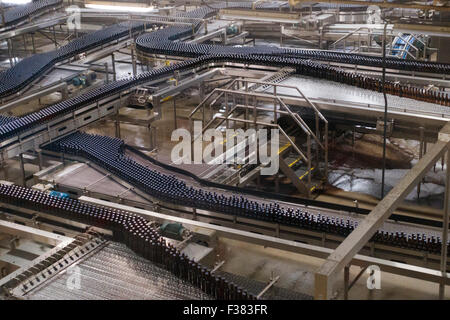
<point x="327" y="273"/>
<point x="445" y="227"/>
<point x="33" y="43"/>
<point x="133" y="61"/>
<point x="113" y="64"/>
<point x="174" y="113"/>
<point x="10" y="52"/>
<point x="22" y="170"/>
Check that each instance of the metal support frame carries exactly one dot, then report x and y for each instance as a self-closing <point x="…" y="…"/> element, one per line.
<point x="283" y="244"/>
<point x="395" y="4"/>
<point x="22" y="170"/>
<point x="113" y="64"/>
<point x="106" y="73"/>
<point x="174" y="112"/>
<point x="10" y="52"/>
<point x="254" y="15"/>
<point x="347" y="285"/>
<point x="408" y="256"/>
<point x="182" y="85"/>
<point x="220" y="32"/>
<point x="133" y="60"/>
<point x="445" y="221"/>
<point x="65" y="124"/>
<point x="217" y="266"/>
<point x="31" y="28"/>
<point x="327" y="273"/>
<point x="32" y="233"/>
<point x="62" y="87"/>
<point x="235" y="92"/>
<point x="117" y="125"/>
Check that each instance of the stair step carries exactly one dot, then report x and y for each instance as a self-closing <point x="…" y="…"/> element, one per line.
<point x="306" y="173"/>
<point x="294" y="162"/>
<point x="284" y="148"/>
<point x="317" y="185"/>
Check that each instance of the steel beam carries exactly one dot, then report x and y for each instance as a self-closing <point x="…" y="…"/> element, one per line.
<point x="344" y="253"/>
<point x="184" y="84"/>
<point x="445" y="227"/>
<point x="34" y="27"/>
<point x="268" y="16"/>
<point x="379" y="4"/>
<point x="431" y="30"/>
<point x="11" y="105"/>
<point x="209" y="36"/>
<point x="282" y="244"/>
<point x="32" y="233"/>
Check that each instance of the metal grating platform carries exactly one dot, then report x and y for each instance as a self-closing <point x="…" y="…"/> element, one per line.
<point x="117" y="273"/>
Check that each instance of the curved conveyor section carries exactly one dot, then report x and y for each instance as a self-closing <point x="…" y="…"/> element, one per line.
<point x="132" y="230"/>
<point x="20" y="13"/>
<point x="108" y="153"/>
<point x="164" y="41"/>
<point x="26" y="71"/>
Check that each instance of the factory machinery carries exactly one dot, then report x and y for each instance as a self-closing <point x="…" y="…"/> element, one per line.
<point x="49" y="131"/>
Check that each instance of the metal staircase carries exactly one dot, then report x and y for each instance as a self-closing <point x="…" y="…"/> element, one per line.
<point x="239" y="106"/>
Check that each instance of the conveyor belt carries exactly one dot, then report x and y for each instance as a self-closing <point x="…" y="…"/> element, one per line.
<point x="6" y="119"/>
<point x="117" y="273"/>
<point x="144" y="159"/>
<point x="108" y="153"/>
<point x="319" y="90"/>
<point x="162" y="41"/>
<point x="23" y="73"/>
<point x="20" y="13"/>
<point x="132" y="230"/>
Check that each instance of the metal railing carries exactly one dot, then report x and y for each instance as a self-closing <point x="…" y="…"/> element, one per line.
<point x="239" y="89"/>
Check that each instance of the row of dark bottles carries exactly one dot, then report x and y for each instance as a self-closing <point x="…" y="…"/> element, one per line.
<point x="108" y="153"/>
<point x="135" y="232"/>
<point x="29" y="69"/>
<point x="364" y="60"/>
<point x="163" y="41"/>
<point x="19" y="13"/>
<point x="158" y="43"/>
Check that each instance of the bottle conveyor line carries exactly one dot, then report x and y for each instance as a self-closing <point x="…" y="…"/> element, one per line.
<point x="135" y="232"/>
<point x="161" y="41"/>
<point x="70" y="122"/>
<point x="87" y="177"/>
<point x="108" y="153"/>
<point x="23" y="73"/>
<point x="20" y="13"/>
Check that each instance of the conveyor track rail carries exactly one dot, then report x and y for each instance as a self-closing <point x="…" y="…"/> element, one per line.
<point x="163" y="42"/>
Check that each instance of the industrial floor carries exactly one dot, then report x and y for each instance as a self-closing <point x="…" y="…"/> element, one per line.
<point x="296" y="272"/>
<point x="346" y="174"/>
<point x="255" y="262"/>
